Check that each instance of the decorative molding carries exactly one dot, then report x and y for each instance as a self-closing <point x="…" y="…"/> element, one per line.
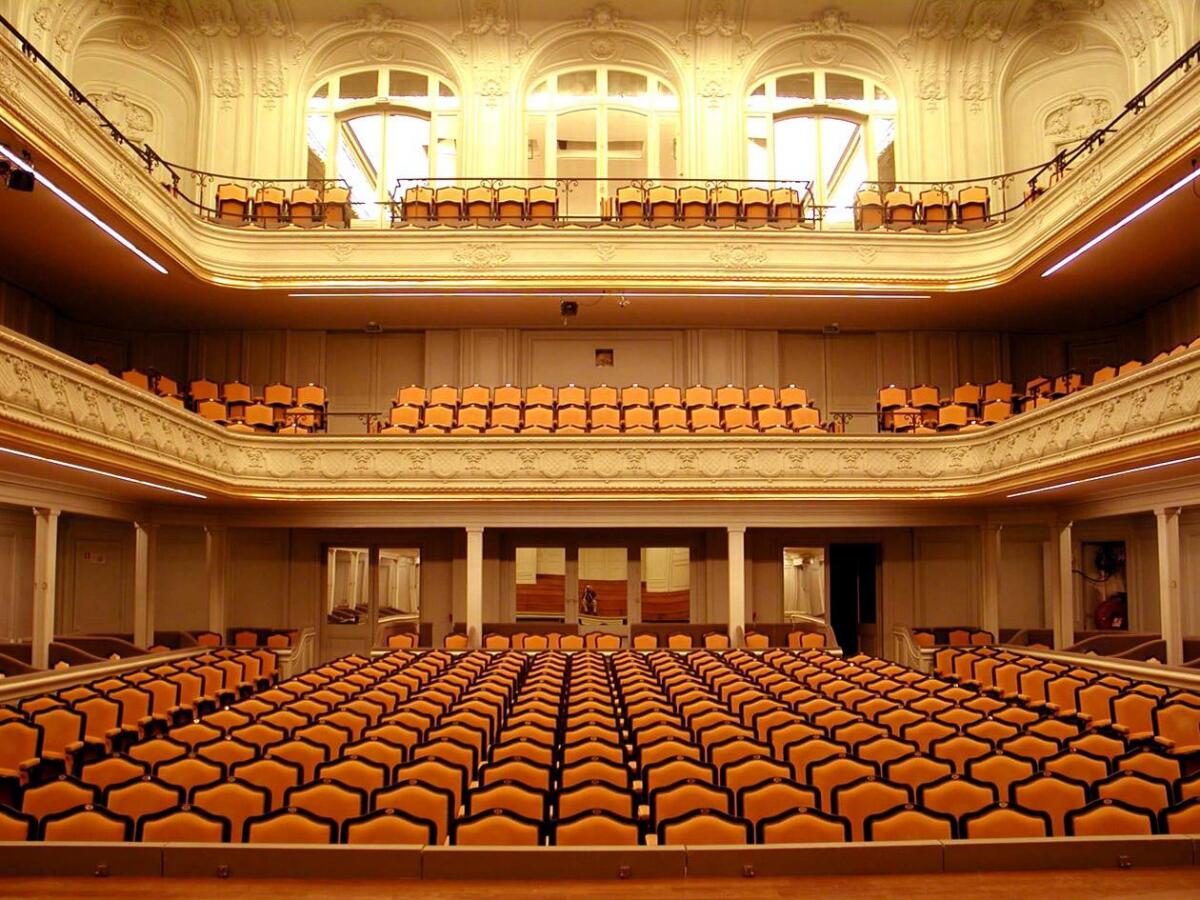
<point x="603" y="17"/>
<point x="489" y="17"/>
<point x="482" y="255"/>
<point x="50" y="400"/>
<point x="1078" y="117"/>
<point x="738" y="256"/>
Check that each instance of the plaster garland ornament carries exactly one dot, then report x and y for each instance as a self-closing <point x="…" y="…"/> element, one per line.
<point x="216" y="17"/>
<point x="1078" y="117"/>
<point x="603" y="17"/>
<point x="867" y="253"/>
<point x="986" y="20"/>
<point x="342" y="252"/>
<point x="264" y="17"/>
<point x="482" y="255"/>
<point x="375" y="17"/>
<point x="605" y="252"/>
<point x="714" y="20"/>
<point x="830" y="20"/>
<point x="9" y="82"/>
<point x="489" y="17"/>
<point x="939" y="21"/>
<point x="738" y="256"/>
<point x="976" y="86"/>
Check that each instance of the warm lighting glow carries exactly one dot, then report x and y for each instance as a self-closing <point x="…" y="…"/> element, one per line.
<point x="1090" y="479"/>
<point x="89" y="470"/>
<point x="594" y="295"/>
<point x="81" y="209"/>
<point x="1113" y="229"/>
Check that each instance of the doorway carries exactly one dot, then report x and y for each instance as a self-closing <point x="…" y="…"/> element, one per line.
<point x="853" y="596"/>
<point x="371" y="591"/>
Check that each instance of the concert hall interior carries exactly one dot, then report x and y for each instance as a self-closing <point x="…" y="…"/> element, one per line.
<point x="538" y="445"/>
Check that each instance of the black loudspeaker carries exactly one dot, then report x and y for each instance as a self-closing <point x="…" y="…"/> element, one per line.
<point x="21" y="180"/>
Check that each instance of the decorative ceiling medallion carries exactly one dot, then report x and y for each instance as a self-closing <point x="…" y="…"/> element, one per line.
<point x="137" y="37"/>
<point x="602" y="48"/>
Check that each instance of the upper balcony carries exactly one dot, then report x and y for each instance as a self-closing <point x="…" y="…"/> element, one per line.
<point x="792" y="256"/>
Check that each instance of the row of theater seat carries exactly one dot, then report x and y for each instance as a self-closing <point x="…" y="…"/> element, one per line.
<point x="599" y="640"/>
<point x="955" y="637"/>
<point x="513" y="748"/>
<point x="601" y="410"/>
<point x="277" y="408"/>
<point x="922" y="409"/>
<point x="45" y="736"/>
<point x="304" y="207"/>
<point x="932" y="211"/>
<point x="689" y="206"/>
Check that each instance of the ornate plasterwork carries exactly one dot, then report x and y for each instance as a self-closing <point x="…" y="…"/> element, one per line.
<point x="1077" y="117"/>
<point x="738" y="256"/>
<point x="133" y="118"/>
<point x="482" y="255"/>
<point x="48" y="399"/>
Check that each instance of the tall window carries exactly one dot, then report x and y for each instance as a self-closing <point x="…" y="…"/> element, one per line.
<point x="827" y="128"/>
<point x="604" y="123"/>
<point x="378" y="127"/>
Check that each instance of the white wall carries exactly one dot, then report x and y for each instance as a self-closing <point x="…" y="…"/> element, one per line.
<point x="16" y="573"/>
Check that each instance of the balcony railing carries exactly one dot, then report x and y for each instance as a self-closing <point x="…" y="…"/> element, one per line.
<point x="900" y="205"/>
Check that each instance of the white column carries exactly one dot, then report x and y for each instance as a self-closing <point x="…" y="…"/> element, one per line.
<point x="736" y="559"/>
<point x="474" y="586"/>
<point x="214" y="572"/>
<point x="1170" y="607"/>
<point x="1063" y="608"/>
<point x="45" y="568"/>
<point x="989" y="608"/>
<point x="143" y="586"/>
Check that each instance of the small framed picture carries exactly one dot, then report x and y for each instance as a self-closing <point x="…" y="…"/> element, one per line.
<point x="604" y="358"/>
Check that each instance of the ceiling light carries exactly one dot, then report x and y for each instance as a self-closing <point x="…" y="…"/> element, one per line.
<point x="81" y="209"/>
<point x="1090" y="479"/>
<point x="1113" y="229"/>
<point x="89" y="470"/>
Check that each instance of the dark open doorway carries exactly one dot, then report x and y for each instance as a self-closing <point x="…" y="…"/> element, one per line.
<point x="853" y="592"/>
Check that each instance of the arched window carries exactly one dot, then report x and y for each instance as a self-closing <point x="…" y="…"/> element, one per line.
<point x="376" y="127"/>
<point x="606" y="123"/>
<point x="831" y="129"/>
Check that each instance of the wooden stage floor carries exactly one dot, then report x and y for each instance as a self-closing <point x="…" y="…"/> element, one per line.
<point x="1183" y="882"/>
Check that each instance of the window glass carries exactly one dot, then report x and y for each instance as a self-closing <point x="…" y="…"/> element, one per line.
<point x="833" y="130"/>
<point x="628" y="85"/>
<point x="577" y="85"/>
<point x="407" y="85"/>
<point x="610" y="126"/>
<point x="803" y="582"/>
<point x="347" y="593"/>
<point x="359" y="86"/>
<point x="843" y="87"/>
<point x="801" y="86"/>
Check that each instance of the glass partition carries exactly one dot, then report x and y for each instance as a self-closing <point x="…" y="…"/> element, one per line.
<point x="399" y="585"/>
<point x="541" y="583"/>
<point x="347" y="597"/>
<point x="803" y="583"/>
<point x="603" y="584"/>
<point x="666" y="584"/>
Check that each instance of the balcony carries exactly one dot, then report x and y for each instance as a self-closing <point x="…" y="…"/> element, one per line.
<point x="55" y="407"/>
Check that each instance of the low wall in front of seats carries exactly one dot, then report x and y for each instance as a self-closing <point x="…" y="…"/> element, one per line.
<point x="47" y="859"/>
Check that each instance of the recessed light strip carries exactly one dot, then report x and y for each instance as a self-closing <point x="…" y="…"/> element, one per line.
<point x="590" y="295"/>
<point x="81" y="209"/>
<point x="1092" y="478"/>
<point x="1113" y="229"/>
<point x="89" y="470"/>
